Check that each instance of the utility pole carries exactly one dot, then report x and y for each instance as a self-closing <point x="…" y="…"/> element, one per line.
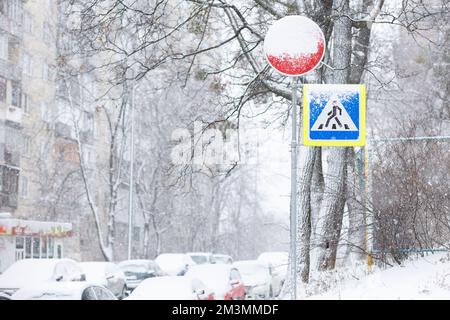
<point x="131" y="181"/>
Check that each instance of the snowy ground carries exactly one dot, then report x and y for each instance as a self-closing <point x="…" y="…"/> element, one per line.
<point x="423" y="278"/>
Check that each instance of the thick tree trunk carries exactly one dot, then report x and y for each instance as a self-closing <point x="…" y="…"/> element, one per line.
<point x="304" y="211"/>
<point x="355" y="206"/>
<point x="332" y="208"/>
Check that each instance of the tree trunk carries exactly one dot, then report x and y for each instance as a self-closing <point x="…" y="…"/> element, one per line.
<point x="304" y="212"/>
<point x="355" y="206"/>
<point x="332" y="208"/>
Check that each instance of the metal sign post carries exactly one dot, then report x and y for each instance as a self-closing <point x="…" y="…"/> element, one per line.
<point x="294" y="46"/>
<point x="293" y="211"/>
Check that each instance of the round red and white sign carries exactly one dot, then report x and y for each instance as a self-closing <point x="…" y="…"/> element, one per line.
<point x="294" y="45"/>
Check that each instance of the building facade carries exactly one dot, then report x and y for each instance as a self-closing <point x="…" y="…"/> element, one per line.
<point x="40" y="176"/>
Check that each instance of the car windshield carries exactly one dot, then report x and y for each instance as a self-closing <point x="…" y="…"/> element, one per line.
<point x="134" y="268"/>
<point x="199" y="259"/>
<point x="221" y="259"/>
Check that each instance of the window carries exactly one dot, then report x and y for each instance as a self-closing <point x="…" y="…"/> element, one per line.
<point x="27" y="64"/>
<point x="23" y="187"/>
<point x="46" y="33"/>
<point x="2" y="7"/>
<point x="45" y="71"/>
<point x="14" y="9"/>
<point x="3" y="46"/>
<point x="43" y="247"/>
<point x="10" y="179"/>
<point x="45" y="111"/>
<point x="27" y="247"/>
<point x="26" y="150"/>
<point x="103" y="294"/>
<point x="25" y="103"/>
<point x="2" y="90"/>
<point x="20" y="248"/>
<point x="13" y="51"/>
<point x="59" y="253"/>
<point x="28" y="22"/>
<point x="16" y="94"/>
<point x="88" y="294"/>
<point x="50" y="247"/>
<point x="36" y="247"/>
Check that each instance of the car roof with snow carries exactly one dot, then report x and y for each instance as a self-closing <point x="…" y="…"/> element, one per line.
<point x="166" y="288"/>
<point x="30" y="271"/>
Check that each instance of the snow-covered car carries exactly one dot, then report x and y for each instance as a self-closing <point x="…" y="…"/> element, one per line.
<point x="224" y="280"/>
<point x="64" y="291"/>
<point x="278" y="263"/>
<point x="171" y="288"/>
<point x="4" y="296"/>
<point x="201" y="257"/>
<point x="222" y="258"/>
<point x="256" y="277"/>
<point x="106" y="274"/>
<point x="174" y="264"/>
<point x="38" y="272"/>
<point x="137" y="271"/>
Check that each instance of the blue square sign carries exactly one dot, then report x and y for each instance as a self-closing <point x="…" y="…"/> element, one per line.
<point x="334" y="115"/>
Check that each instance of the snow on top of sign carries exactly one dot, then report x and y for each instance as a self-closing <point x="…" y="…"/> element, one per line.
<point x="342" y="92"/>
<point x="293" y="35"/>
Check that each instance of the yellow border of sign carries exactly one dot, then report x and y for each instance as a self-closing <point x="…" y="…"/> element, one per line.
<point x="335" y="143"/>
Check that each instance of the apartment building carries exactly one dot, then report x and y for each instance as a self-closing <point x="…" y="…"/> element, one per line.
<point x="40" y="179"/>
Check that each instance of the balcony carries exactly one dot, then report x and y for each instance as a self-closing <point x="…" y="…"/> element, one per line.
<point x="12" y="25"/>
<point x="14" y="114"/>
<point x="9" y="187"/>
<point x="10" y="70"/>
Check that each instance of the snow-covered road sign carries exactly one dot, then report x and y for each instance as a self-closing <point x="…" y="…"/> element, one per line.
<point x="334" y="115"/>
<point x="294" y="45"/>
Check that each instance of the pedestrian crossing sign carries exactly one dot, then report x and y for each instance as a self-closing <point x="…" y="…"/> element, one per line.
<point x="334" y="115"/>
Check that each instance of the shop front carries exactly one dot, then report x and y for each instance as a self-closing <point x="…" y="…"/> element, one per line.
<point x="27" y="239"/>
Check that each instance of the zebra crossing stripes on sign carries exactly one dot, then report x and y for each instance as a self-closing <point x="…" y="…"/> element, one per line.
<point x="333" y="115"/>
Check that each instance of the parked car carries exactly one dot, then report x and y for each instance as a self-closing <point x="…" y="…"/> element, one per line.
<point x="222" y="258"/>
<point x="224" y="280"/>
<point x="256" y="277"/>
<point x="64" y="291"/>
<point x="171" y="288"/>
<point x="174" y="264"/>
<point x="4" y="296"/>
<point x="278" y="263"/>
<point x="106" y="274"/>
<point x="137" y="271"/>
<point x="38" y="272"/>
<point x="201" y="257"/>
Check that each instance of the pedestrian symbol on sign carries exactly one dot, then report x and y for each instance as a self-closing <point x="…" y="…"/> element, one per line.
<point x="334" y="115"/>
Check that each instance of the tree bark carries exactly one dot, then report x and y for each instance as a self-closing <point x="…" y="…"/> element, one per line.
<point x="332" y="208"/>
<point x="304" y="212"/>
<point x="355" y="206"/>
